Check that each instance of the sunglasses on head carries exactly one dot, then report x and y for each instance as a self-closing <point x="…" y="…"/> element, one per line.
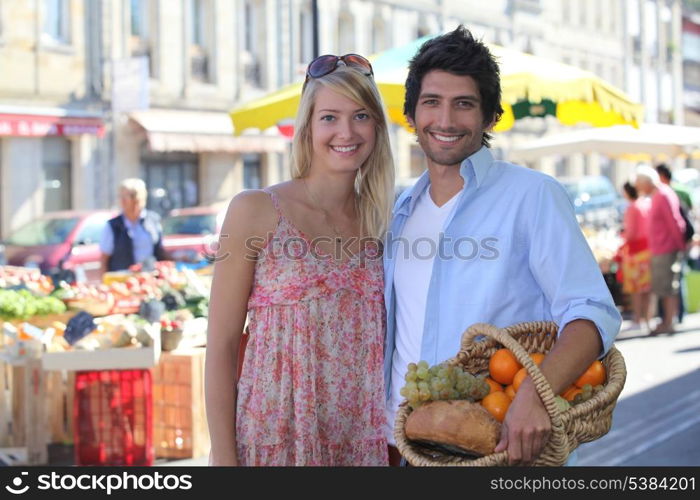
<point x="323" y="65"/>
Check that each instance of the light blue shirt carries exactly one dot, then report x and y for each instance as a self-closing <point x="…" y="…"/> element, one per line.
<point x="511" y="251"/>
<point x="142" y="240"/>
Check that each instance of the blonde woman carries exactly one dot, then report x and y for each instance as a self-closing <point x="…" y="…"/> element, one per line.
<point x="301" y="260"/>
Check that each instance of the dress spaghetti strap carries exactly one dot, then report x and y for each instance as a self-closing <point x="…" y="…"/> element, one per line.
<point x="275" y="202"/>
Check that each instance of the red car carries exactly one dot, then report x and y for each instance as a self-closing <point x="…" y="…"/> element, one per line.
<point x="70" y="236"/>
<point x="191" y="233"/>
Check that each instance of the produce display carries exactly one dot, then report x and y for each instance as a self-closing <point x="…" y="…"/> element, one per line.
<point x="51" y="330"/>
<point x="113" y="314"/>
<point x="14" y="277"/>
<point x="23" y="304"/>
<point x="115" y="331"/>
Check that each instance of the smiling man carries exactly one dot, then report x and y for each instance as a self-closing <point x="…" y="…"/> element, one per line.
<point x="480" y="240"/>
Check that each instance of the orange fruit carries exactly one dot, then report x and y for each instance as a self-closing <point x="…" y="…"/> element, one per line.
<point x="594" y="375"/>
<point x="537" y="357"/>
<point x="22" y="334"/>
<point x="503" y="366"/>
<point x="493" y="385"/>
<point x="570" y="393"/>
<point x="497" y="404"/>
<point x="510" y="392"/>
<point x="519" y="377"/>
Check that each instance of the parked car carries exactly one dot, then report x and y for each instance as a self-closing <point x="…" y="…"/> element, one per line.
<point x="596" y="201"/>
<point x="59" y="240"/>
<point x="190" y="233"/>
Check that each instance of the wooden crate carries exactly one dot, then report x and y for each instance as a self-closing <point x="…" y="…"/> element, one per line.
<point x="23" y="409"/>
<point x="116" y="358"/>
<point x="179" y="418"/>
<point x="60" y="390"/>
<point x="35" y="409"/>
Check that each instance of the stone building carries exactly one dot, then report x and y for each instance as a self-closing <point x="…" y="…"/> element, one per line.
<point x="101" y="90"/>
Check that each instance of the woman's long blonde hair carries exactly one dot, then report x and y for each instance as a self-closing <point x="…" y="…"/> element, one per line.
<point x="374" y="183"/>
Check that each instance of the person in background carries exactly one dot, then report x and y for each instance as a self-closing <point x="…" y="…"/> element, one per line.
<point x="666" y="177"/>
<point x="136" y="235"/>
<point x="636" y="257"/>
<point x="686" y="207"/>
<point x="666" y="230"/>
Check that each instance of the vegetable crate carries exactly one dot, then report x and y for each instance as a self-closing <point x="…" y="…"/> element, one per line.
<point x="23" y="412"/>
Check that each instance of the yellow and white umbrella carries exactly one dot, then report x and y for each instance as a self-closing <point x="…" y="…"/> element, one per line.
<point x="531" y="86"/>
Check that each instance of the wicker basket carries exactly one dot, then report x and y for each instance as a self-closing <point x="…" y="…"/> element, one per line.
<point x="582" y="423"/>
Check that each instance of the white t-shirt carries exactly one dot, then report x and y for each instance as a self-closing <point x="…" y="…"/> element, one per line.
<point x="415" y="254"/>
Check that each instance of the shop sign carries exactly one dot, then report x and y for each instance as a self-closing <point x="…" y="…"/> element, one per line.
<point x="41" y="126"/>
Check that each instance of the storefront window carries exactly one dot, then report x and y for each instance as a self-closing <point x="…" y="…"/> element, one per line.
<point x="56" y="169"/>
<point x="139" y="18"/>
<point x="201" y="41"/>
<point x="252" y="40"/>
<point x="252" y="172"/>
<point x="171" y="181"/>
<point x="56" y="27"/>
<point x="143" y="16"/>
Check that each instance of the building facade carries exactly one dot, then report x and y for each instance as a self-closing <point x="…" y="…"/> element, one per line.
<point x="50" y="122"/>
<point x="691" y="68"/>
<point x="108" y="89"/>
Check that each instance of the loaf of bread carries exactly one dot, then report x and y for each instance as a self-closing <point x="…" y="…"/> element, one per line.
<point x="459" y="424"/>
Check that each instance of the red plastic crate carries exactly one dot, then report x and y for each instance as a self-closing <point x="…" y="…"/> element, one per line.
<point x="113" y="418"/>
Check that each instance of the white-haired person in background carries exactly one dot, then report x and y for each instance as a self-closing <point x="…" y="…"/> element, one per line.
<point x="135" y="235"/>
<point x="666" y="229"/>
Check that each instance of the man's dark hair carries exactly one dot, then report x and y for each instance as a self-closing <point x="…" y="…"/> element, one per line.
<point x="664" y="171"/>
<point x="630" y="190"/>
<point x="458" y="53"/>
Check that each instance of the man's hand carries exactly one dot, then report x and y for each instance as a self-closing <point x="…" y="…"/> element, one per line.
<point x="526" y="427"/>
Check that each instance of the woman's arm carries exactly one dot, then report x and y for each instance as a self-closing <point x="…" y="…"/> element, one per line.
<point x="631" y="223"/>
<point x="250" y="218"/>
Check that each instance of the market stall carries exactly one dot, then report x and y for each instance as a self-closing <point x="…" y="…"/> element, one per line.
<point x="82" y="363"/>
<point x="532" y="86"/>
<point x="647" y="142"/>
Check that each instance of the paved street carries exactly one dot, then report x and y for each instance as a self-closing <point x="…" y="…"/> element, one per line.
<point x="657" y="418"/>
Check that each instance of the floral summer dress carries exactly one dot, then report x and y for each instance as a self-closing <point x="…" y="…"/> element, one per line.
<point x="311" y="390"/>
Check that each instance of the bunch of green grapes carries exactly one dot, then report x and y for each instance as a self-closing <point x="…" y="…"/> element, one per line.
<point x="22" y="304"/>
<point x="441" y="382"/>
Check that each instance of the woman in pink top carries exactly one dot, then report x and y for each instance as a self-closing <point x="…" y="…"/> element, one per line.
<point x="666" y="236"/>
<point x="301" y="261"/>
<point x="636" y="256"/>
